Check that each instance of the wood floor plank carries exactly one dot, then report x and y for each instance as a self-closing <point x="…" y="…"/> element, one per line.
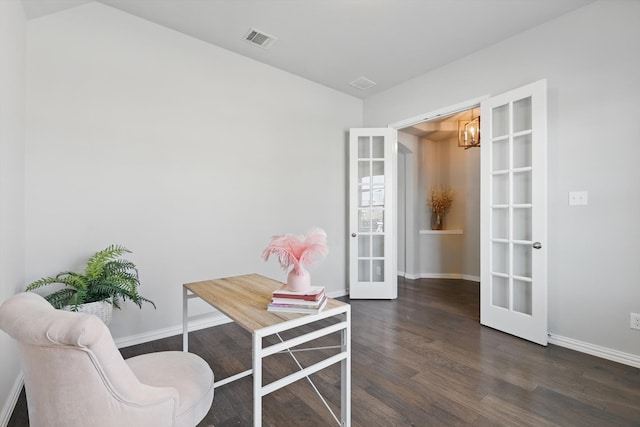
<point x="420" y="360"/>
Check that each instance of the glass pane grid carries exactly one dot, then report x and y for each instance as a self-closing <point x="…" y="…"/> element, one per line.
<point x="371" y="208"/>
<point x="510" y="194"/>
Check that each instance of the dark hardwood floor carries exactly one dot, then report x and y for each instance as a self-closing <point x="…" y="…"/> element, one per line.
<point x="421" y="360"/>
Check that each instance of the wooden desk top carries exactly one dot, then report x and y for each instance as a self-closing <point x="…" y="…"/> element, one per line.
<point x="244" y="299"/>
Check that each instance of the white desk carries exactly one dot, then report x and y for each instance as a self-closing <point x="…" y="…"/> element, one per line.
<point x="244" y="300"/>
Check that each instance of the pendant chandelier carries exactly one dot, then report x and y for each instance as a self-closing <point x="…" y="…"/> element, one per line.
<point x="469" y="132"/>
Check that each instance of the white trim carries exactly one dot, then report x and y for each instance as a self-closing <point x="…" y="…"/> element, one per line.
<point x="337" y="294"/>
<point x="446" y="111"/>
<point x="450" y="276"/>
<point x="596" y="350"/>
<point x="194" y="325"/>
<point x="12" y="399"/>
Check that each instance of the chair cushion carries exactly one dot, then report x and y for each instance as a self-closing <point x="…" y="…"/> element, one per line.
<point x="186" y="372"/>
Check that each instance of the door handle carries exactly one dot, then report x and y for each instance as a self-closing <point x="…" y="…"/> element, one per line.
<point x="353" y="234"/>
<point x="537" y="245"/>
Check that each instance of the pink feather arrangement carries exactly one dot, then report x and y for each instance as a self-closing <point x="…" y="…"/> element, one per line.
<point x="298" y="251"/>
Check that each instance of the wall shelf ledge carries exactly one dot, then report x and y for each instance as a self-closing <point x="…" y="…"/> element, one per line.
<point x="441" y="231"/>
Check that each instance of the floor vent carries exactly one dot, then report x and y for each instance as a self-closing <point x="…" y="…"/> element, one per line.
<point x="259" y="38"/>
<point x="362" y="83"/>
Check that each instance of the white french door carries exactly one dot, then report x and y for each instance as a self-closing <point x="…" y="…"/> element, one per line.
<point x="372" y="219"/>
<point x="513" y="290"/>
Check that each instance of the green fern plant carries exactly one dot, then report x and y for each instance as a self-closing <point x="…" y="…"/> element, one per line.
<point x="107" y="277"/>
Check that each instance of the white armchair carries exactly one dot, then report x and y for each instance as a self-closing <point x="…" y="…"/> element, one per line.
<point x="75" y="376"/>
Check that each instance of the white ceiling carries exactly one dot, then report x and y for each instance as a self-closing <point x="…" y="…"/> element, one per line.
<point x="333" y="42"/>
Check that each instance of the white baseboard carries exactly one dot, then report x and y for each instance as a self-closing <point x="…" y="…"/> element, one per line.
<point x="12" y="399"/>
<point x="439" y="276"/>
<point x="337" y="294"/>
<point x="596" y="350"/>
<point x="194" y="325"/>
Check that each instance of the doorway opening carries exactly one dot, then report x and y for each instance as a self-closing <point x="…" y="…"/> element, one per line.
<point x="430" y="158"/>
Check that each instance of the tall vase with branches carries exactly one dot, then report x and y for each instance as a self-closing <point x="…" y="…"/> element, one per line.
<point x="440" y="201"/>
<point x="298" y="251"/>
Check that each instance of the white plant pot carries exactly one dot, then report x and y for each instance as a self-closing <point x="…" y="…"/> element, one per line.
<point x="102" y="309"/>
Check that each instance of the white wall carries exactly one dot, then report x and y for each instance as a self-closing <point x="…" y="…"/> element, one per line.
<point x="409" y="148"/>
<point x="593" y="85"/>
<point x="443" y="163"/>
<point x="12" y="101"/>
<point x="188" y="154"/>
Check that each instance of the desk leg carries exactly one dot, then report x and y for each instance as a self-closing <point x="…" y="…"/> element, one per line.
<point x="185" y="320"/>
<point x="345" y="367"/>
<point x="257" y="380"/>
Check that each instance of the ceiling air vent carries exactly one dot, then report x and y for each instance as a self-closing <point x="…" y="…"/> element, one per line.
<point x="259" y="38"/>
<point x="362" y="83"/>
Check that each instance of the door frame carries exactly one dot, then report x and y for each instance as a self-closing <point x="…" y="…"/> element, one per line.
<point x="444" y="111"/>
<point x="425" y="117"/>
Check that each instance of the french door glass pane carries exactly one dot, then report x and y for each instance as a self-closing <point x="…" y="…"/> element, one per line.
<point x="378" y="147"/>
<point x="378" y="172"/>
<point x="378" y="183"/>
<point x="364" y="246"/>
<point x="522" y="151"/>
<point x="522" y="260"/>
<point x="500" y="291"/>
<point x="364" y="198"/>
<point x="378" y="270"/>
<point x="378" y="246"/>
<point x="522" y="297"/>
<point x="500" y="257"/>
<point x="364" y="147"/>
<point x="500" y="155"/>
<point x="522" y="115"/>
<point x="500" y="122"/>
<point x="500" y="190"/>
<point x="364" y="173"/>
<point x="522" y="187"/>
<point x="377" y="222"/>
<point x="522" y="224"/>
<point x="364" y="220"/>
<point x="364" y="270"/>
<point x="500" y="228"/>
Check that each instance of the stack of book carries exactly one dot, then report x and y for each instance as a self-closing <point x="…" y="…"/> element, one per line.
<point x="311" y="301"/>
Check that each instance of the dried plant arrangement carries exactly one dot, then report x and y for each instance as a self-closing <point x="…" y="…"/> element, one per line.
<point x="440" y="201"/>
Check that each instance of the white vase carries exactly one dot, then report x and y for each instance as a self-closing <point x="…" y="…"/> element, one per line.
<point x="102" y="309"/>
<point x="299" y="282"/>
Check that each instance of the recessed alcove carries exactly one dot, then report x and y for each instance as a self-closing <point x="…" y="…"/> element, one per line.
<point x="430" y="157"/>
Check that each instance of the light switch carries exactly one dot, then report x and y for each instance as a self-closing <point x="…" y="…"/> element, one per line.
<point x="577" y="198"/>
